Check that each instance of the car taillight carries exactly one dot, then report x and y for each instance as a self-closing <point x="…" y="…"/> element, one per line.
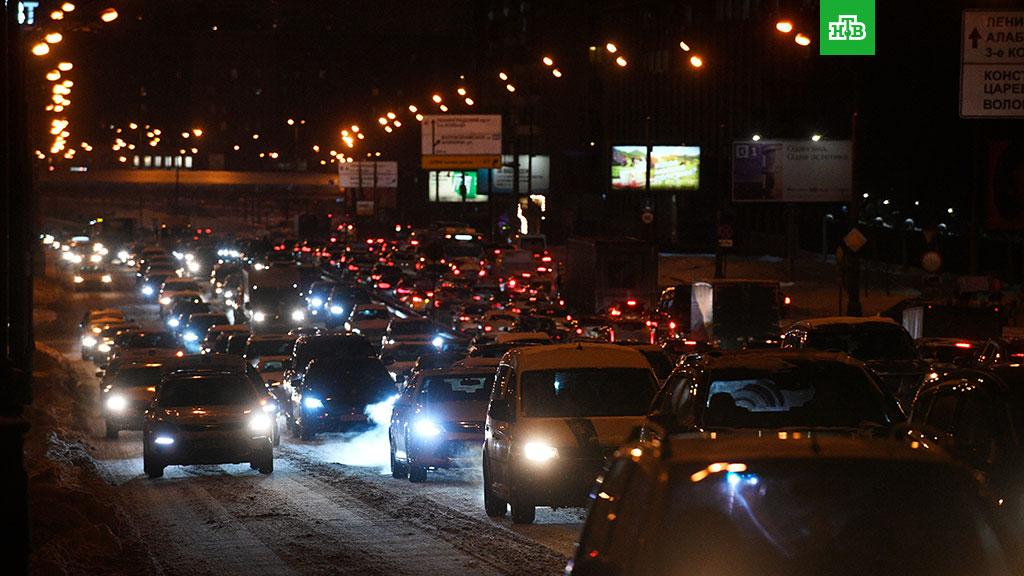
<point x="383" y="285"/>
<point x="964" y="345"/>
<point x="787" y="300"/>
<point x="463" y="318"/>
<point x="630" y="302"/>
<point x="488" y="328"/>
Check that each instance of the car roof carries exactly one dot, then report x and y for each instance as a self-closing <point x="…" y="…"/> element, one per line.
<point x="846" y="321"/>
<point x="768" y="357"/>
<point x="700" y="448"/>
<point x="578" y="355"/>
<point x="214" y="361"/>
<point x="516" y="336"/>
<point x="459" y="371"/>
<point x="229" y="328"/>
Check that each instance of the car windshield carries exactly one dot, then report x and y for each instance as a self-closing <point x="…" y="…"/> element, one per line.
<point x="271" y="347"/>
<point x="218" y="390"/>
<point x="149" y="340"/>
<point x="354" y="381"/>
<point x="790" y="393"/>
<point x="412" y="327"/>
<point x="371" y="314"/>
<point x="865" y="342"/>
<point x="409" y="352"/>
<point x="838" y="517"/>
<point x="574" y="392"/>
<point x="457" y="388"/>
<point x="331" y="346"/>
<point x="135" y="377"/>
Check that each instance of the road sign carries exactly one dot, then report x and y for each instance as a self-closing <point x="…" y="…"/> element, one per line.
<point x="647" y="217"/>
<point x="992" y="64"/>
<point x="368" y="174"/>
<point x="461" y="141"/>
<point x="855" y="240"/>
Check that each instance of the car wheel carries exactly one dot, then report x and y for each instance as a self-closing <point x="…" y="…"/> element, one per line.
<point x="277" y="433"/>
<point x="417" y="473"/>
<point x="494" y="506"/>
<point x="398" y="469"/>
<point x="151" y="468"/>
<point x="266" y="461"/>
<point x="523" y="512"/>
<point x="111" y="431"/>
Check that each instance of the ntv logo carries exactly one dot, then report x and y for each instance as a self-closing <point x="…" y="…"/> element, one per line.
<point x="847" y="28"/>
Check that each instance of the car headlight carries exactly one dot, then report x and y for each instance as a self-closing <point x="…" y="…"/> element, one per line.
<point x="165" y="300"/>
<point x="193" y="266"/>
<point x="337" y="310"/>
<point x="316" y="302"/>
<point x="190" y="336"/>
<point x="298" y="315"/>
<point x="229" y="294"/>
<point x="106" y="279"/>
<point x="258" y="316"/>
<point x="88" y="341"/>
<point x="269" y="406"/>
<point x="426" y="428"/>
<point x="437" y="341"/>
<point x="173" y="322"/>
<point x="312" y="403"/>
<point x="163" y="440"/>
<point x="104" y="347"/>
<point x="147" y="290"/>
<point x="96" y="258"/>
<point x="78" y="279"/>
<point x="117" y="403"/>
<point x="539" y="451"/>
<point x="259" y="423"/>
<point x="123" y="256"/>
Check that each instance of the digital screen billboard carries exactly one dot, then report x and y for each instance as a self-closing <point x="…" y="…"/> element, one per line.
<point x="672" y="167"/>
<point x="447" y="186"/>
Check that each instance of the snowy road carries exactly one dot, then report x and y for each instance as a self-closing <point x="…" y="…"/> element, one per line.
<point x="314" y="514"/>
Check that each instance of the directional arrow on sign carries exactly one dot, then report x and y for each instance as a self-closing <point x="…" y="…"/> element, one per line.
<point x="974" y="36"/>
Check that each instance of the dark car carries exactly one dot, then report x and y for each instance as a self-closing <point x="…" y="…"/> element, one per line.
<point x="771" y="389"/>
<point x="947" y="353"/>
<point x="127" y="393"/>
<point x="978" y="415"/>
<point x="883" y="345"/>
<point x="438" y="421"/>
<point x="198" y="324"/>
<point x="207" y="418"/>
<point x="998" y="350"/>
<point x="341" y="302"/>
<point x="781" y="507"/>
<point x="335" y="393"/>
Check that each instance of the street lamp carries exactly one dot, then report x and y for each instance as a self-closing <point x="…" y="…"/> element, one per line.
<point x="784" y="26"/>
<point x="108" y="15"/>
<point x="53" y="38"/>
<point x="802" y="40"/>
<point x="65" y="66"/>
<point x="621" y="61"/>
<point x="41" y="49"/>
<point x="696" y="61"/>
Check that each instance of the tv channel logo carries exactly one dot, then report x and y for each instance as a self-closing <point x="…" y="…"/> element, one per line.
<point x="847" y="28"/>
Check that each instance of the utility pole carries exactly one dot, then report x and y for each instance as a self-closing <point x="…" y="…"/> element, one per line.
<point x="853" y="306"/>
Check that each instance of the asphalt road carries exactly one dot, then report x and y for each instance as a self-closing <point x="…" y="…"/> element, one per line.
<point x="318" y="512"/>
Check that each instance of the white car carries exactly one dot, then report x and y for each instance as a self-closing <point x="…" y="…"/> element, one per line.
<point x="498" y="321"/>
<point x="370" y="320"/>
<point x="173" y="287"/>
<point x="91" y="277"/>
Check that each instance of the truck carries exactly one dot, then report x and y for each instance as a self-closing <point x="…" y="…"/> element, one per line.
<point x="941" y="320"/>
<point x="272" y="298"/>
<point x="601" y="271"/>
<point x="735" y="313"/>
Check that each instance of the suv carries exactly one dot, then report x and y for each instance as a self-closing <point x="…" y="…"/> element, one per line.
<point x="555" y="413"/>
<point x="206" y="417"/>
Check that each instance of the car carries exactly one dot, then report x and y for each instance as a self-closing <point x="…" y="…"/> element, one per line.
<point x="206" y="418"/>
<point x="370" y="320"/>
<point x="539" y="338"/>
<point x="152" y="280"/>
<point x="997" y="351"/>
<point x="95" y="348"/>
<point x="660" y="361"/>
<point x="400" y="357"/>
<point x="467" y="317"/>
<point x="947" y="353"/>
<point x="272" y="370"/>
<point x="498" y="321"/>
<point x="317" y="296"/>
<point x="259" y="345"/>
<point x="438" y="421"/>
<point x="335" y="395"/>
<point x="881" y="343"/>
<point x="400" y="329"/>
<point x="772" y="389"/>
<point x="977" y="415"/>
<point x="92" y="277"/>
<point x="194" y="331"/>
<point x="181" y="306"/>
<point x="127" y="393"/>
<point x="216" y="339"/>
<point x="143" y="343"/>
<point x="174" y="286"/>
<point x="785" y="504"/>
<point x="341" y="302"/>
<point x="555" y="413"/>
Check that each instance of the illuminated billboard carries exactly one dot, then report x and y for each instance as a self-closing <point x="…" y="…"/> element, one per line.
<point x="447" y="186"/>
<point x="672" y="167"/>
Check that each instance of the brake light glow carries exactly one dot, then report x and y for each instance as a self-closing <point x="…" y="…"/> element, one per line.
<point x="787" y="300"/>
<point x="965" y="345"/>
<point x="630" y="302"/>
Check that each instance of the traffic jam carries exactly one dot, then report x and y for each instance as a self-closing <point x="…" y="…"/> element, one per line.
<point x="698" y="428"/>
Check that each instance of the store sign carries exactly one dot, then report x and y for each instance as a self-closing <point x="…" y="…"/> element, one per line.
<point x="792" y="171"/>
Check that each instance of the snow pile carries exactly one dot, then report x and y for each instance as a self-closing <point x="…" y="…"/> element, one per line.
<point x="76" y="525"/>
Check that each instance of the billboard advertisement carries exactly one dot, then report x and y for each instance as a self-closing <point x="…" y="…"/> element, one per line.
<point x="1004" y="198"/>
<point x="381" y="174"/>
<point x="447" y="186"/>
<point x="461" y="141"/>
<point x="672" y="167"/>
<point x="792" y="171"/>
<point x="534" y="175"/>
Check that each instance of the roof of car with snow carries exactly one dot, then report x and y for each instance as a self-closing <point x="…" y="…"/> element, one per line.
<point x="578" y="355"/>
<point x="845" y="321"/>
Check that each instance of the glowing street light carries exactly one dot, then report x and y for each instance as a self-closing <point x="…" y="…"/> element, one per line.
<point x="684" y="46"/>
<point x="53" y="38"/>
<point x="388" y="129"/>
<point x="390" y="115"/>
<point x="255" y="136"/>
<point x="784" y="26"/>
<point x="510" y="87"/>
<point x="802" y="40"/>
<point x="461" y="91"/>
<point x="382" y="121"/>
<point x="815" y="137"/>
<point x="355" y="128"/>
<point x="56" y="15"/>
<point x="53" y="75"/>
<point x="469" y="101"/>
<point x="236" y="147"/>
<point x="197" y="132"/>
<point x="436" y="98"/>
<point x="134" y="126"/>
<point x="291" y="122"/>
<point x="502" y="76"/>
<point x="696" y="61"/>
<point x="611" y="47"/>
<point x="398" y="123"/>
<point x="108" y="15"/>
<point x="556" y="73"/>
<point x="67" y="7"/>
<point x="361" y="136"/>
<point x="621" y="61"/>
<point x="756" y="137"/>
<point x="444" y="108"/>
<point x="65" y="66"/>
<point x="185" y="135"/>
<point x="419" y="117"/>
<point x="413" y="108"/>
<point x="41" y="49"/>
<point x="548" y="61"/>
